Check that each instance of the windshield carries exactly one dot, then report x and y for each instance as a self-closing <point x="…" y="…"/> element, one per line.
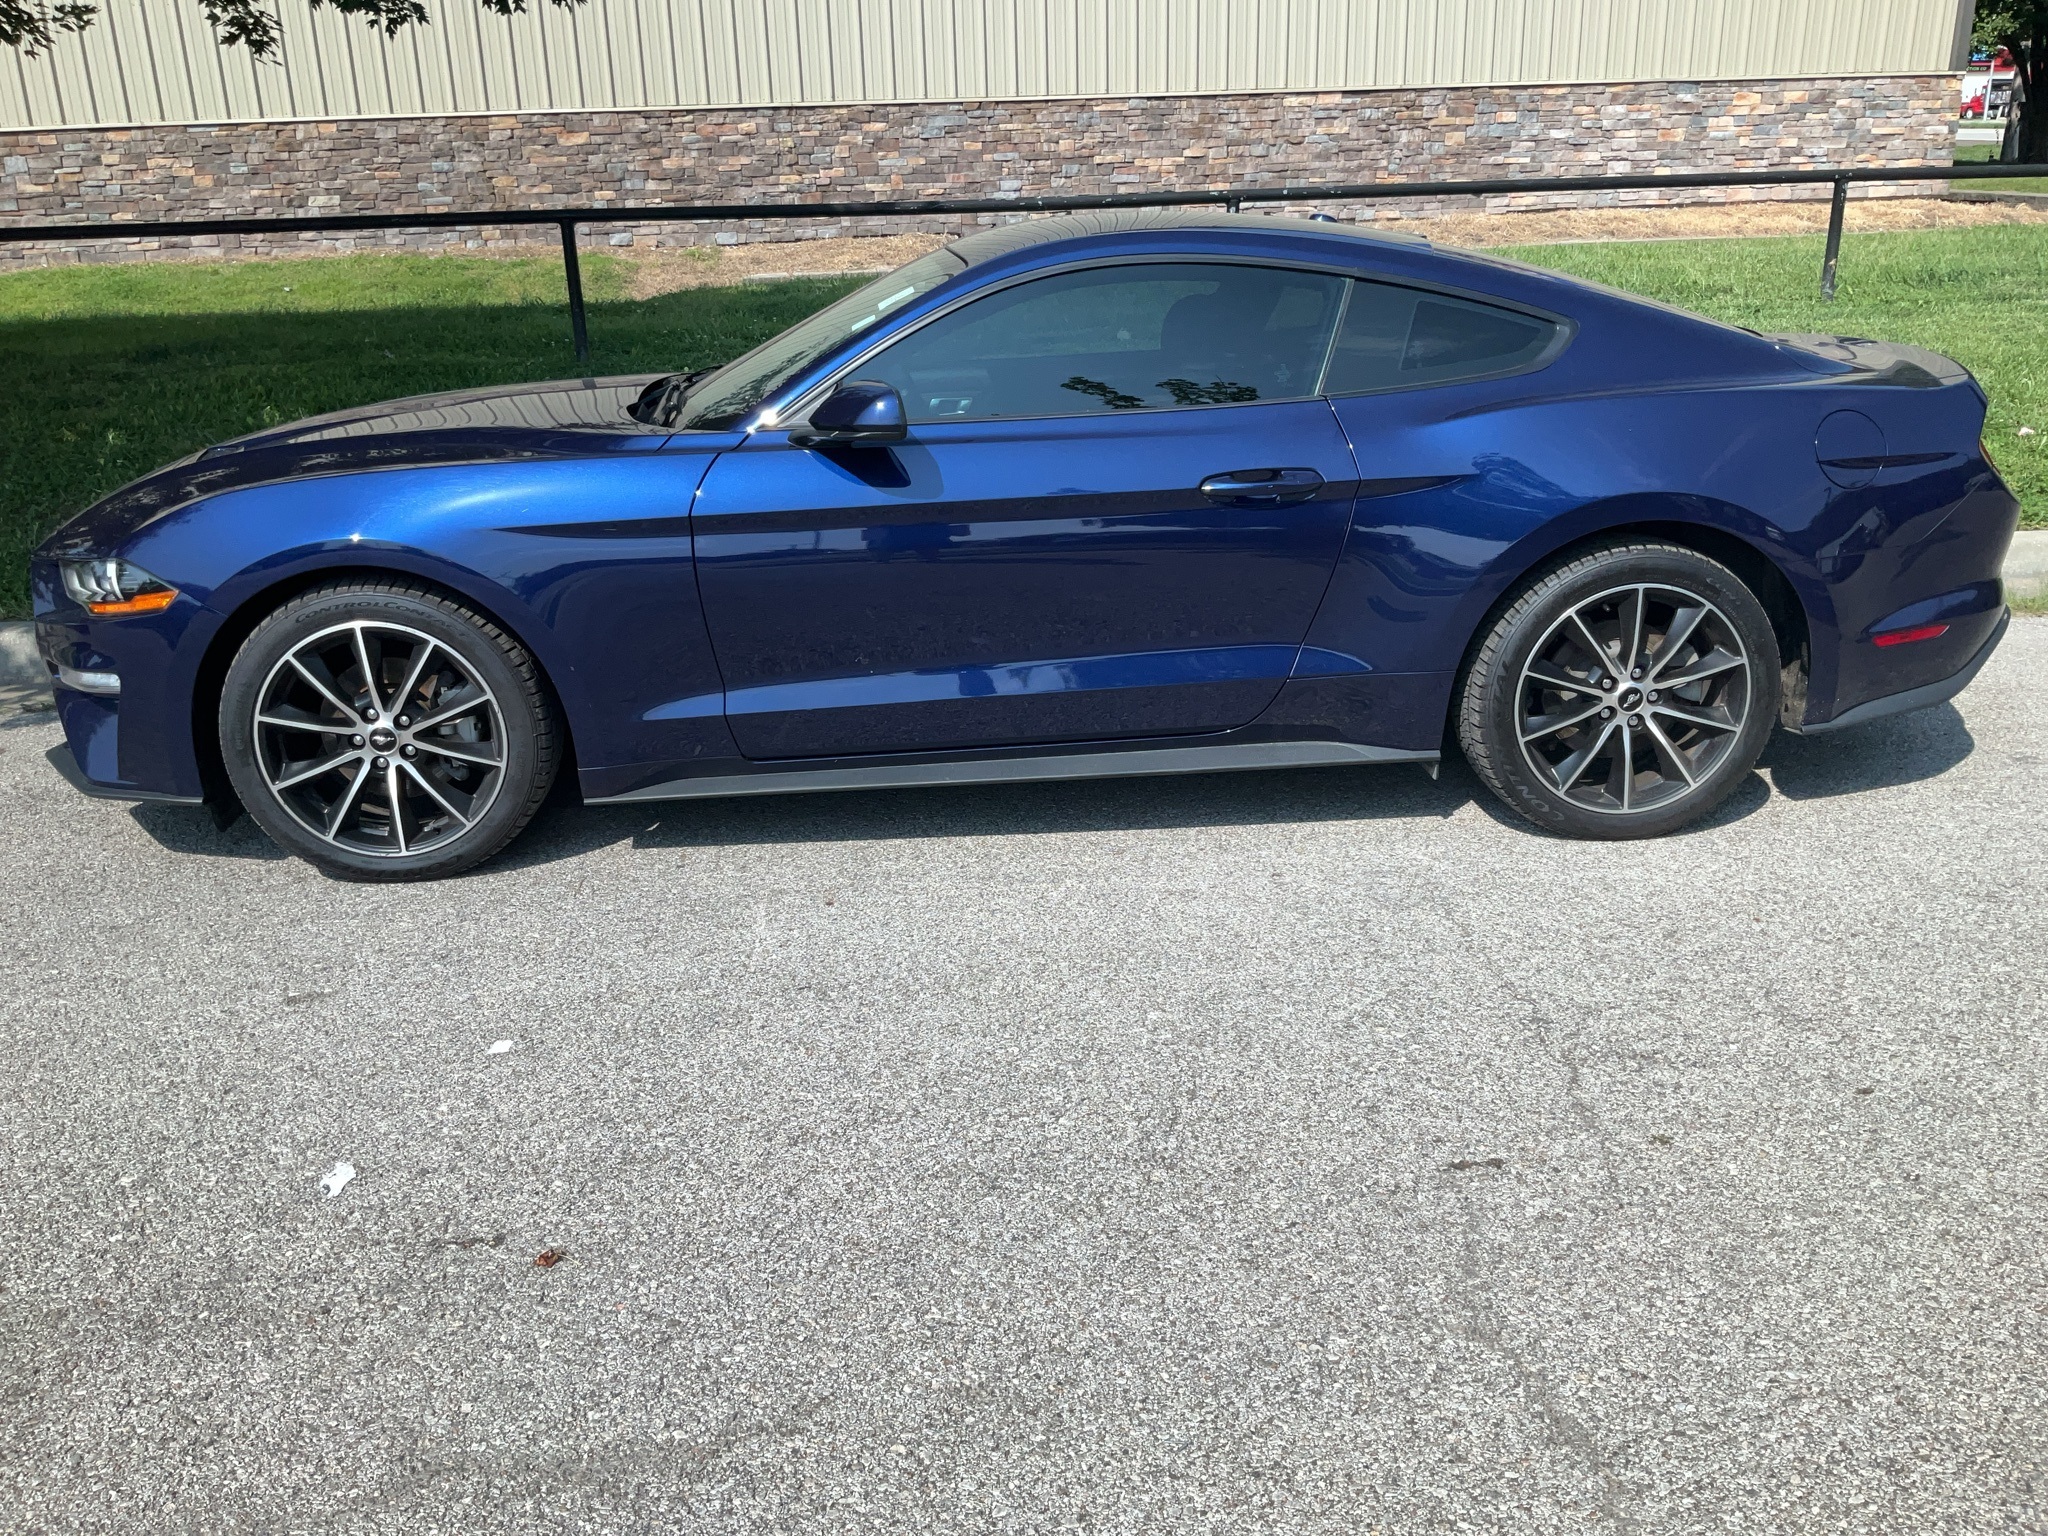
<point x="723" y="400"/>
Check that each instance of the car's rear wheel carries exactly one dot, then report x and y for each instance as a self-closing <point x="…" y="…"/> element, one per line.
<point x="386" y="732"/>
<point x="1623" y="693"/>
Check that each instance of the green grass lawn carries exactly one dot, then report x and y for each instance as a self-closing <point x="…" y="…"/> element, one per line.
<point x="1978" y="295"/>
<point x="1966" y="154"/>
<point x="114" y="370"/>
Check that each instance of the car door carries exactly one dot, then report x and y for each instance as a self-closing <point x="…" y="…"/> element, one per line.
<point x="1431" y="392"/>
<point x="1115" y="514"/>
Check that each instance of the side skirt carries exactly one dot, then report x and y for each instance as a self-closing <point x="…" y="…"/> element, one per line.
<point x="1138" y="763"/>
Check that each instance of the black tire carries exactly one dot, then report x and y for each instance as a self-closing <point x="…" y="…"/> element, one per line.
<point x="477" y="757"/>
<point x="1624" y="759"/>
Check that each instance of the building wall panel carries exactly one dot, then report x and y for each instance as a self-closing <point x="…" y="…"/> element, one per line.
<point x="155" y="61"/>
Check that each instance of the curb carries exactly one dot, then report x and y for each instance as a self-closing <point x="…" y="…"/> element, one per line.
<point x="2026" y="564"/>
<point x="2015" y="199"/>
<point x="21" y="663"/>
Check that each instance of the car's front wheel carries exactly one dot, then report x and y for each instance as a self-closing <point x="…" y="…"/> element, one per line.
<point x="385" y="732"/>
<point x="1623" y="693"/>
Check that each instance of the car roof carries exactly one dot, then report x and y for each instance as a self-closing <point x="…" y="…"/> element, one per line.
<point x="1007" y="239"/>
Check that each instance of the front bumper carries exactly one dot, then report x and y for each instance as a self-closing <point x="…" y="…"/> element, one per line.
<point x="60" y="758"/>
<point x="124" y="688"/>
<point x="1937" y="692"/>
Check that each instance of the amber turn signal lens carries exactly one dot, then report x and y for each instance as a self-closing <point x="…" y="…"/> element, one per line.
<point x="113" y="588"/>
<point x="142" y="602"/>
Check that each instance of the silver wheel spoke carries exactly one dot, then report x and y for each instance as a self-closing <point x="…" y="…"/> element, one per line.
<point x="1632" y="608"/>
<point x="339" y="813"/>
<point x="1712" y="666"/>
<point x="333" y="793"/>
<point x="1550" y="725"/>
<point x="412" y="681"/>
<point x="428" y="785"/>
<point x="1569" y="770"/>
<point x="394" y="791"/>
<point x="453" y="712"/>
<point x="1692" y="719"/>
<point x="1682" y="625"/>
<point x="1592" y="645"/>
<point x="301" y="723"/>
<point x="348" y="712"/>
<point x="294" y="774"/>
<point x="1558" y="678"/>
<point x="448" y="749"/>
<point x="369" y="672"/>
<point x="1670" y="753"/>
<point x="1674" y="639"/>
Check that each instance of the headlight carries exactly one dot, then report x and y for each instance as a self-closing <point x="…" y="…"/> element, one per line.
<point x="114" y="587"/>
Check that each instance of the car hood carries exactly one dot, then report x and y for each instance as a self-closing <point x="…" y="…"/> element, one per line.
<point x="564" y="419"/>
<point x="505" y="414"/>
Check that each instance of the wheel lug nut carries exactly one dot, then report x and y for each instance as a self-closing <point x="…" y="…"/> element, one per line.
<point x="1607" y="713"/>
<point x="404" y="721"/>
<point x="356" y="740"/>
<point x="1637" y="673"/>
<point x="382" y="762"/>
<point x="409" y="750"/>
<point x="1635" y="722"/>
<point x="1653" y="696"/>
<point x="370" y="714"/>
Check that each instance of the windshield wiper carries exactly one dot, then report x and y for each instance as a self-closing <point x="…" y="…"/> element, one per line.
<point x="661" y="402"/>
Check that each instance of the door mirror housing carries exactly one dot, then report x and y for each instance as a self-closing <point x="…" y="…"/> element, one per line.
<point x="864" y="411"/>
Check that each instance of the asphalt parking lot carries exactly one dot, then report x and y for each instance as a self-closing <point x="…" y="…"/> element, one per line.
<point x="1303" y="1152"/>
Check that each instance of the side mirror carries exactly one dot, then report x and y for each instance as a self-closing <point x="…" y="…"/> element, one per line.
<point x="858" y="411"/>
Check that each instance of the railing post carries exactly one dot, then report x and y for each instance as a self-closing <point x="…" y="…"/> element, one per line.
<point x="573" y="270"/>
<point x="1833" y="256"/>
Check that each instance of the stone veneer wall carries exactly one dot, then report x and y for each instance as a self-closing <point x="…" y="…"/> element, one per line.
<point x="959" y="149"/>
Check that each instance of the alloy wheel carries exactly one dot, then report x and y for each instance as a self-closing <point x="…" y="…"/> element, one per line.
<point x="1632" y="698"/>
<point x="379" y="739"/>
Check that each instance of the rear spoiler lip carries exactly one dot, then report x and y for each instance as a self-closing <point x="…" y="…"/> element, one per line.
<point x="1880" y="363"/>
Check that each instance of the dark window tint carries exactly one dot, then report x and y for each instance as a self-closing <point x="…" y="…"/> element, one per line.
<point x="1121" y="338"/>
<point x="1398" y="337"/>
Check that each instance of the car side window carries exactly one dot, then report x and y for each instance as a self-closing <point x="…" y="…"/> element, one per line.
<point x="1140" y="336"/>
<point x="1398" y="338"/>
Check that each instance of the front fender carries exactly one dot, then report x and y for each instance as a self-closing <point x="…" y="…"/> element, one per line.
<point x="587" y="563"/>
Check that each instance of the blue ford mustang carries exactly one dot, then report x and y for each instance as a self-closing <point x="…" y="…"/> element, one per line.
<point x="1121" y="494"/>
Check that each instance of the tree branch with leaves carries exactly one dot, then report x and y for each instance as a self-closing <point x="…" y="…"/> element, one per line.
<point x="33" y="26"/>
<point x="2020" y="27"/>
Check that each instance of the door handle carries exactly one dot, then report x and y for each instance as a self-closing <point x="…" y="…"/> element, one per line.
<point x="1262" y="487"/>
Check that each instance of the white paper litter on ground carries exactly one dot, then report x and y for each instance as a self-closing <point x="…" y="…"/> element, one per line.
<point x="499" y="1047"/>
<point x="335" y="1182"/>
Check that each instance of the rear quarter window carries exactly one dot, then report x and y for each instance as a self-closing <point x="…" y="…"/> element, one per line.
<point x="1404" y="338"/>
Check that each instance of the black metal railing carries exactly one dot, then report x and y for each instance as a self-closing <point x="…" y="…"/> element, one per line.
<point x="569" y="219"/>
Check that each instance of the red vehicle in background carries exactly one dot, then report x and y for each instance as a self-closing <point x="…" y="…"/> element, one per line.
<point x="1987" y="87"/>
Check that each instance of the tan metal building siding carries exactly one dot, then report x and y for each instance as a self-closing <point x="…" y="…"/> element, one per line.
<point x="155" y="61"/>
